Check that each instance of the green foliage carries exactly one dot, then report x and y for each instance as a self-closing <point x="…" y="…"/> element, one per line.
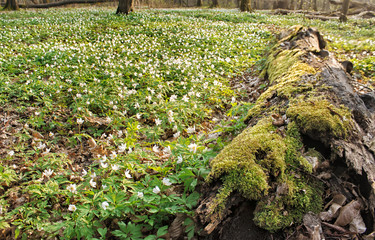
<point x="144" y="89"/>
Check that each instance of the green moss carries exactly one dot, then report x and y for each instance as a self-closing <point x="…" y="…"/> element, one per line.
<point x="265" y="163"/>
<point x="247" y="164"/>
<point x="304" y="195"/>
<point x="259" y="145"/>
<point x="284" y="70"/>
<point x="319" y="116"/>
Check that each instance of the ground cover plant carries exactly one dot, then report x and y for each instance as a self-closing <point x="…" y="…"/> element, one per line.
<point x="109" y="122"/>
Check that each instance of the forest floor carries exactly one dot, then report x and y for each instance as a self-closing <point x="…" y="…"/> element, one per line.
<point x="108" y="123"/>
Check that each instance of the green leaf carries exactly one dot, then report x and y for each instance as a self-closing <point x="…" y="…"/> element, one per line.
<point x="150" y="237"/>
<point x="162" y="231"/>
<point x="102" y="232"/>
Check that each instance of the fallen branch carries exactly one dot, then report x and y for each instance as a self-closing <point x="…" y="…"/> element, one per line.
<point x="62" y="3"/>
<point x="355" y="4"/>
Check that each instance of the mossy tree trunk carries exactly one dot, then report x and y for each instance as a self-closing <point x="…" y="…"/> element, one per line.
<point x="11" y="5"/>
<point x="307" y="122"/>
<point x="125" y="6"/>
<point x="199" y="3"/>
<point x="246" y="6"/>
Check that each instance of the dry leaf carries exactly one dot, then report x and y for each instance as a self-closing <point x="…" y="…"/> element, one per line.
<point x="358" y="225"/>
<point x="36" y="134"/>
<point x="91" y="142"/>
<point x="348" y="213"/>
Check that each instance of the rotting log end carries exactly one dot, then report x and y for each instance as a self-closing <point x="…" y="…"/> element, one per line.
<point x="270" y="162"/>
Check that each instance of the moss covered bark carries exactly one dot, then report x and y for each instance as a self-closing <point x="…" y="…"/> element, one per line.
<point x="266" y="161"/>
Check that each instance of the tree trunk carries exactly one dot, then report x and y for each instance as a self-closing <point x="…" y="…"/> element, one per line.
<point x="125" y="6"/>
<point x="310" y="139"/>
<point x="11" y="5"/>
<point x="215" y="3"/>
<point x="345" y="8"/>
<point x="315" y="6"/>
<point x="291" y="6"/>
<point x="199" y="3"/>
<point x="300" y="5"/>
<point x="245" y="6"/>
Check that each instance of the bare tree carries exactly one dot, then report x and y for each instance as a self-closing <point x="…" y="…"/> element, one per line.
<point x="11" y="5"/>
<point x="125" y="7"/>
<point x="345" y="8"/>
<point x="314" y="5"/>
<point x="245" y="6"/>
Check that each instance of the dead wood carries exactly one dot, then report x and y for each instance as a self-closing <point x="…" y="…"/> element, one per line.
<point x="326" y="16"/>
<point x="355" y="4"/>
<point x="62" y="3"/>
<point x="348" y="154"/>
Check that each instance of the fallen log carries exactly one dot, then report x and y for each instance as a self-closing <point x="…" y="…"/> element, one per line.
<point x="62" y="3"/>
<point x="355" y="4"/>
<point x="309" y="135"/>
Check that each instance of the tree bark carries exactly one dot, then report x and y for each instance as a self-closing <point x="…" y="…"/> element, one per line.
<point x="125" y="6"/>
<point x="300" y="5"/>
<point x="305" y="82"/>
<point x="315" y="5"/>
<point x="62" y="3"/>
<point x="345" y="8"/>
<point x="199" y="3"/>
<point x="11" y="5"/>
<point x="246" y="6"/>
<point x="215" y="3"/>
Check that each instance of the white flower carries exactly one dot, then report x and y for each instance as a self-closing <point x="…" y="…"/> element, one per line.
<point x="47" y="172"/>
<point x="127" y="174"/>
<point x="119" y="133"/>
<point x="72" y="208"/>
<point x="72" y="188"/>
<point x="93" y="175"/>
<point x="138" y="116"/>
<point x="122" y="148"/>
<point x="155" y="149"/>
<point x="158" y="122"/>
<point x="173" y="98"/>
<point x="92" y="183"/>
<point x="193" y="147"/>
<point x="80" y="121"/>
<point x="47" y="151"/>
<point x="104" y="186"/>
<point x="105" y="204"/>
<point x="84" y="172"/>
<point x="51" y="134"/>
<point x="156" y="190"/>
<point x="103" y="164"/>
<point x="113" y="155"/>
<point x="41" y="146"/>
<point x="179" y="160"/>
<point x="166" y="182"/>
<point x="190" y="130"/>
<point x="170" y="113"/>
<point x="140" y="194"/>
<point x="233" y="99"/>
<point x="185" y="98"/>
<point x="11" y="153"/>
<point x="115" y="167"/>
<point x="167" y="150"/>
<point x="177" y="134"/>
